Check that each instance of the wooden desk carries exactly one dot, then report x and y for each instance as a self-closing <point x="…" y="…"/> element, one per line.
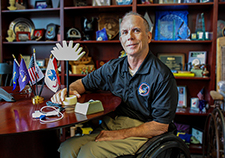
<point x="21" y="136"/>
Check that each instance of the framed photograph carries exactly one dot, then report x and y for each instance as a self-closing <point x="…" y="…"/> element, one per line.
<point x="39" y="34"/>
<point x="22" y="36"/>
<point x="196" y="58"/>
<point x="26" y="60"/>
<point x="100" y="2"/>
<point x="194" y="104"/>
<point x="220" y="64"/>
<point x="41" y="4"/>
<point x="182" y="96"/>
<point x="173" y="61"/>
<point x="41" y="63"/>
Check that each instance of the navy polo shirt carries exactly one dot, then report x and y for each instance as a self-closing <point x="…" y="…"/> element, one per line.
<point x="150" y="94"/>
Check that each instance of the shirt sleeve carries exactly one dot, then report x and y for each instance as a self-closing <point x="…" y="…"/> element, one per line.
<point x="97" y="79"/>
<point x="165" y="101"/>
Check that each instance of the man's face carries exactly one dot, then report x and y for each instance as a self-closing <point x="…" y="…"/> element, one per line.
<point x="134" y="38"/>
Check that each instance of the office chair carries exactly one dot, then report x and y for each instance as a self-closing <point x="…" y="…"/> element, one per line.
<point x="166" y="145"/>
<point x="6" y="74"/>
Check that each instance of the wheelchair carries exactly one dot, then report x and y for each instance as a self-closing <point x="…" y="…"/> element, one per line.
<point x="166" y="145"/>
<point x="214" y="132"/>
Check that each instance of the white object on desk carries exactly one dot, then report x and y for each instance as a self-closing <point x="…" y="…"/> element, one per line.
<point x="90" y="107"/>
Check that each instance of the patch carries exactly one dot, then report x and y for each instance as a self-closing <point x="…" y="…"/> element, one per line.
<point x="144" y="89"/>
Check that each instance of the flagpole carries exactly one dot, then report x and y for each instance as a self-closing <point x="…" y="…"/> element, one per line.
<point x="19" y="65"/>
<point x="35" y="69"/>
<point x="67" y="77"/>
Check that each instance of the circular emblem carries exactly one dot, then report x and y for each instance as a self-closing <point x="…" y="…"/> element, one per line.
<point x="144" y="89"/>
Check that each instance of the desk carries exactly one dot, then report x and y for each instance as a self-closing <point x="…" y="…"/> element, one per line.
<point x="24" y="137"/>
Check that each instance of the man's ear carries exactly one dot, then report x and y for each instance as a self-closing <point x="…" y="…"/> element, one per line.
<point x="149" y="37"/>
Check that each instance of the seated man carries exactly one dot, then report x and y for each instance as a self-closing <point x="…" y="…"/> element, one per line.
<point x="149" y="97"/>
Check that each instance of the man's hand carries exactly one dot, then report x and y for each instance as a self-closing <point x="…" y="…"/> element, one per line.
<point x="68" y="53"/>
<point x="59" y="97"/>
<point x="110" y="135"/>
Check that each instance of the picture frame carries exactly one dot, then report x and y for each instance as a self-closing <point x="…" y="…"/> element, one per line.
<point x="26" y="59"/>
<point x="39" y="34"/>
<point x="41" y="4"/>
<point x="197" y="58"/>
<point x="182" y="97"/>
<point x="194" y="104"/>
<point x="173" y="61"/>
<point x="41" y="62"/>
<point x="220" y="64"/>
<point x="22" y="36"/>
<point x="100" y="2"/>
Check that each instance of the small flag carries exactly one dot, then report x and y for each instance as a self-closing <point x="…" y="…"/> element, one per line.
<point x="200" y="94"/>
<point x="24" y="77"/>
<point x="15" y="73"/>
<point x="34" y="71"/>
<point x="51" y="76"/>
<point x="55" y="66"/>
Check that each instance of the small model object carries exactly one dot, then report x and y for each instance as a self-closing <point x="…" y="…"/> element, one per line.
<point x="68" y="53"/>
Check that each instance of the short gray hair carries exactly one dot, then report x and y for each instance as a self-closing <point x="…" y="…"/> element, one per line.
<point x="137" y="14"/>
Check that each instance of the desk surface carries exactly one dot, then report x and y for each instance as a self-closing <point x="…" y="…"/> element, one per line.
<point x="16" y="117"/>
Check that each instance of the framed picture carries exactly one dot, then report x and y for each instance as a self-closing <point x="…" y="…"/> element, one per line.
<point x="182" y="96"/>
<point x="194" y="104"/>
<point x="196" y="58"/>
<point x="173" y="61"/>
<point x="100" y="2"/>
<point x="22" y="36"/>
<point x="26" y="60"/>
<point x="41" y="63"/>
<point x="39" y="34"/>
<point x="41" y="4"/>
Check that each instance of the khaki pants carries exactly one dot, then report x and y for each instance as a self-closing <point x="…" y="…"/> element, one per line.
<point x="86" y="147"/>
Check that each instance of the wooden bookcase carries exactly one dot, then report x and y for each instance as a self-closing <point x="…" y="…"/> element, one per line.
<point x="67" y="16"/>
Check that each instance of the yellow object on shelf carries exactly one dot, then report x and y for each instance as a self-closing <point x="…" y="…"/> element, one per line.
<point x="184" y="74"/>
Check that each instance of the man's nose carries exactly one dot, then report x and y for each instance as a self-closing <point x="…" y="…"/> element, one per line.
<point x="130" y="35"/>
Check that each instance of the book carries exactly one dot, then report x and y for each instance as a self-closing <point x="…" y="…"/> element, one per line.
<point x="184" y="74"/>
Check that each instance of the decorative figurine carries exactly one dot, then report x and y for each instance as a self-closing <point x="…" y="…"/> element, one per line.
<point x="10" y="37"/>
<point x="205" y="72"/>
<point x="88" y="28"/>
<point x="12" y="5"/>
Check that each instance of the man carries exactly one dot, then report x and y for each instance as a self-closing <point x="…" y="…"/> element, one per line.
<point x="148" y="91"/>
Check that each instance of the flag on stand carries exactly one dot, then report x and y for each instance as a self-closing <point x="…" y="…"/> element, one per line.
<point x="51" y="76"/>
<point x="201" y="94"/>
<point x="34" y="71"/>
<point x="15" y="73"/>
<point x="57" y="73"/>
<point x="24" y="75"/>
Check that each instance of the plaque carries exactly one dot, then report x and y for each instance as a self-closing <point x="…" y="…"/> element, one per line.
<point x="110" y="23"/>
<point x="51" y="32"/>
<point x="173" y="61"/>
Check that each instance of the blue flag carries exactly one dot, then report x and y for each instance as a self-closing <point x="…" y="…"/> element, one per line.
<point x="24" y="77"/>
<point x="15" y="73"/>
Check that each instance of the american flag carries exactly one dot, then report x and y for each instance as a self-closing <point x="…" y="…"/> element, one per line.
<point x="34" y="71"/>
<point x="200" y="94"/>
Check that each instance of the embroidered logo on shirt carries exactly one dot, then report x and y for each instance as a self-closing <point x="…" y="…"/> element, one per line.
<point x="143" y="89"/>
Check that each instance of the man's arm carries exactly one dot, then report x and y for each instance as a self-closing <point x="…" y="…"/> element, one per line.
<point x="76" y="88"/>
<point x="147" y="130"/>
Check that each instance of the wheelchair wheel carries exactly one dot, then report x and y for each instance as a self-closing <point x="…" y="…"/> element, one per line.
<point x="213" y="142"/>
<point x="175" y="148"/>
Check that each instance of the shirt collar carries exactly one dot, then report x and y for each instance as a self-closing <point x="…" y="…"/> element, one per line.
<point x="143" y="69"/>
